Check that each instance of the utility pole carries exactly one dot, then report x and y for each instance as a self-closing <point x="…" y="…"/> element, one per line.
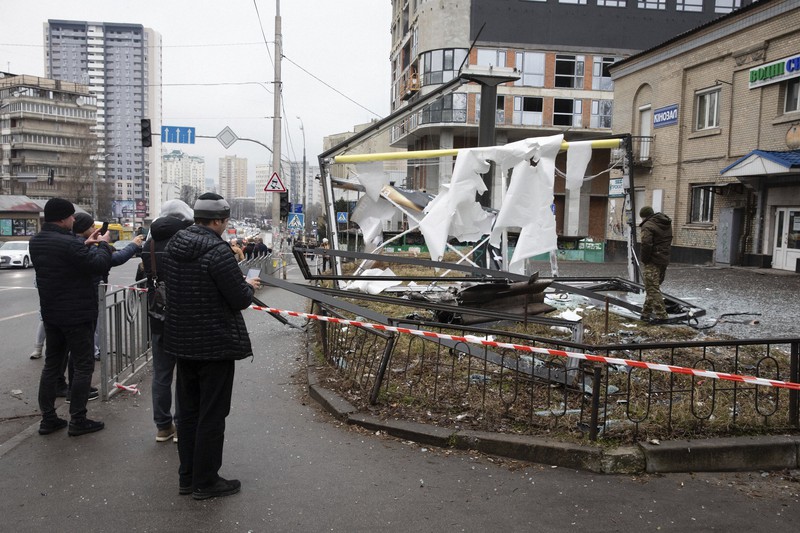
<point x="305" y="200"/>
<point x="276" y="126"/>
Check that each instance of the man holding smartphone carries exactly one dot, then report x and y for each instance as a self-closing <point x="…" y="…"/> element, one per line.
<point x="205" y="331"/>
<point x="65" y="271"/>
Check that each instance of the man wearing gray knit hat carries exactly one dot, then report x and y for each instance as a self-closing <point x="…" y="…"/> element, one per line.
<point x="205" y="332"/>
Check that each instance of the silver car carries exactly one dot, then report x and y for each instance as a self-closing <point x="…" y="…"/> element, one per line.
<point x="15" y="254"/>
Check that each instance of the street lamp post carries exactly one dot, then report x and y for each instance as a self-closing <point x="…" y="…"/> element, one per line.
<point x="305" y="203"/>
<point x="94" y="186"/>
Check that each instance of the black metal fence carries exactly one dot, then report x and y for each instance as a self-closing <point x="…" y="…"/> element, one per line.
<point x="466" y="385"/>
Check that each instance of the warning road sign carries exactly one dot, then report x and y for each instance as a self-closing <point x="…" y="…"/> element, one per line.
<point x="274" y="184"/>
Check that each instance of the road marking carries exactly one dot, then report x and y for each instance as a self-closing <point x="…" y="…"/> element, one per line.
<point x="18" y="316"/>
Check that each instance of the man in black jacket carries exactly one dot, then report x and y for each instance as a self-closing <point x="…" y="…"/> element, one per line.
<point x="65" y="270"/>
<point x="205" y="331"/>
<point x="175" y="215"/>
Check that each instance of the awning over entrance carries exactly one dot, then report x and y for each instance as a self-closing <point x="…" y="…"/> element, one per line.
<point x="764" y="163"/>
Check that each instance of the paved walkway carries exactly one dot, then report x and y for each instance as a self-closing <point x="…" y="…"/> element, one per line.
<point x="302" y="470"/>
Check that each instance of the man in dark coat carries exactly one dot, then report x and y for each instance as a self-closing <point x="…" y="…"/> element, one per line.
<point x="656" y="244"/>
<point x="205" y="331"/>
<point x="65" y="271"/>
<point x="175" y="215"/>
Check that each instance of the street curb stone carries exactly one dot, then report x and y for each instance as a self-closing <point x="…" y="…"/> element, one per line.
<point x="722" y="454"/>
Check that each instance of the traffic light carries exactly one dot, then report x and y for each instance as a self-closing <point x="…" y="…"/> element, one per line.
<point x="284" y="197"/>
<point x="147" y="139"/>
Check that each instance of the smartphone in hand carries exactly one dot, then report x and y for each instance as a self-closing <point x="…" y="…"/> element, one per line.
<point x="104" y="228"/>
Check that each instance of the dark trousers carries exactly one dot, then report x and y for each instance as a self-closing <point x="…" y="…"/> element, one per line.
<point x="163" y="370"/>
<point x="204" y="395"/>
<point x="77" y="343"/>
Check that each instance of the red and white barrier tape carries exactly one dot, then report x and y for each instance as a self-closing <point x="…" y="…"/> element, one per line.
<point x="561" y="353"/>
<point x="130" y="388"/>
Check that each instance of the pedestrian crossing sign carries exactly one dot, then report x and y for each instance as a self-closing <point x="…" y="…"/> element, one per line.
<point x="296" y="221"/>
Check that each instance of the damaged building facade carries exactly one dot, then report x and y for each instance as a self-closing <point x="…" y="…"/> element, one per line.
<point x="719" y="108"/>
<point x="561" y="51"/>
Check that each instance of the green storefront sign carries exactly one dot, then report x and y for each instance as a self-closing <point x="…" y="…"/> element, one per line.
<point x="780" y="70"/>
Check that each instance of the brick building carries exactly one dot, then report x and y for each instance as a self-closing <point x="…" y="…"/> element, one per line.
<point x="719" y="107"/>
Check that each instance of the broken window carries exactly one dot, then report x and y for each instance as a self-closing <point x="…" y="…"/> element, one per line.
<point x="702" y="204"/>
<point x="569" y="71"/>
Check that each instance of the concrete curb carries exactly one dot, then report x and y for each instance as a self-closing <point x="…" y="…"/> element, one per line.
<point x="707" y="455"/>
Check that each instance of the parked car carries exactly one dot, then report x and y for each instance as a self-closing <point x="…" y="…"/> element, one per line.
<point x="15" y="254"/>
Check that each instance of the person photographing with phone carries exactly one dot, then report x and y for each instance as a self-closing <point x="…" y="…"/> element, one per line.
<point x="205" y="332"/>
<point x="66" y="269"/>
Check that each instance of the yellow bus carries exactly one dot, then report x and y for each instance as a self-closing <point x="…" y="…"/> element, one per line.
<point x="118" y="232"/>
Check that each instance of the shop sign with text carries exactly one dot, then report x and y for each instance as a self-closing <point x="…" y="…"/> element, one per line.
<point x="780" y="70"/>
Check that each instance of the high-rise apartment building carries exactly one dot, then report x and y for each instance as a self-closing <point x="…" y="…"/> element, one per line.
<point x="121" y="64"/>
<point x="560" y="49"/>
<point x="180" y="170"/>
<point x="233" y="176"/>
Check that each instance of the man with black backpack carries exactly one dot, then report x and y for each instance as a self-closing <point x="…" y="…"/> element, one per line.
<point x="175" y="215"/>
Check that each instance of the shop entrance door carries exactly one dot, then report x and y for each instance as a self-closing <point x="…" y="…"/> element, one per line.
<point x="787" y="238"/>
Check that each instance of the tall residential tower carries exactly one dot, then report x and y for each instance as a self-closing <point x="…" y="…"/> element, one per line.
<point x="121" y="64"/>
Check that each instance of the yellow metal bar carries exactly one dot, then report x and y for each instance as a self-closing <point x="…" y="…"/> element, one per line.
<point x="428" y="154"/>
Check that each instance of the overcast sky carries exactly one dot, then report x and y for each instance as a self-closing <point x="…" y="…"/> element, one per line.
<point x="345" y="43"/>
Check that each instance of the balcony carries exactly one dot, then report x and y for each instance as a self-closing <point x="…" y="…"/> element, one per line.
<point x="643" y="150"/>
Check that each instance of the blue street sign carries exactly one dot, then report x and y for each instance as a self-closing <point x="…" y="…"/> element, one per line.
<point x="297" y="208"/>
<point x="177" y="134"/>
<point x="296" y="221"/>
<point x="341" y="217"/>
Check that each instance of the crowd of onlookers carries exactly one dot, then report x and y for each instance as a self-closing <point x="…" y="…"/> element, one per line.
<point x="195" y="293"/>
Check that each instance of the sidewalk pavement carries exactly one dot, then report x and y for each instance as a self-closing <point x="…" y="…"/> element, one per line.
<point x="303" y="471"/>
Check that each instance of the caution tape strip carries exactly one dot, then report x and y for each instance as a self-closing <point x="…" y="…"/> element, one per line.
<point x="560" y="353"/>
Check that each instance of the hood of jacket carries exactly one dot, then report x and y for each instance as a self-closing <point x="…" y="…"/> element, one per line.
<point x="163" y="228"/>
<point x="659" y="219"/>
<point x="193" y="242"/>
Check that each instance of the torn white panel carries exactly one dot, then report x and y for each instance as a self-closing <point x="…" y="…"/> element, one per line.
<point x="527" y="204"/>
<point x="578" y="155"/>
<point x="455" y="208"/>
<point x="371" y="286"/>
<point x="370" y="217"/>
<point x="372" y="177"/>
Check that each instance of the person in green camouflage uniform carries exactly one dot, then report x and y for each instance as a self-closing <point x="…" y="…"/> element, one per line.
<point x="656" y="244"/>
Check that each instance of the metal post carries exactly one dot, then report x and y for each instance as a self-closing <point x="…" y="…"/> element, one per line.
<point x="794" y="375"/>
<point x="595" y="414"/>
<point x="276" y="124"/>
<point x="305" y="199"/>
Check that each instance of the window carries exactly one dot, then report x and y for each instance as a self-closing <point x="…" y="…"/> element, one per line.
<point x="581" y="2"/>
<point x="531" y="68"/>
<point x="601" y="113"/>
<point x="707" y="109"/>
<point x="611" y="3"/>
<point x="441" y="66"/>
<point x="500" y="111"/>
<point x="652" y="4"/>
<point x="726" y="6"/>
<point x="702" y="204"/>
<point x="489" y="57"/>
<point x="689" y="5"/>
<point x="792" y="96"/>
<point x="527" y="111"/>
<point x="449" y="108"/>
<point x="566" y="112"/>
<point x="601" y="77"/>
<point x="569" y="71"/>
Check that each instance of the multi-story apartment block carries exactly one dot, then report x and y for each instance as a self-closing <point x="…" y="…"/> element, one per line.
<point x="720" y="105"/>
<point x="47" y="146"/>
<point x="121" y="64"/>
<point x="180" y="170"/>
<point x="560" y="49"/>
<point x="233" y="176"/>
